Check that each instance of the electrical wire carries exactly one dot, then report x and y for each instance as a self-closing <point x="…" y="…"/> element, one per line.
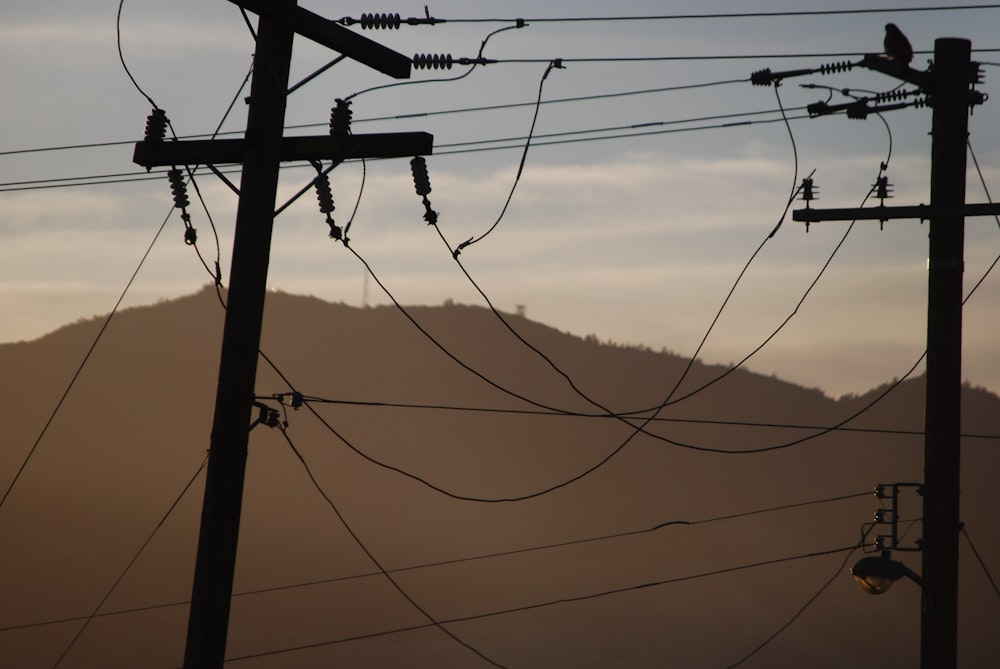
<point x="439" y="112"/>
<point x="477" y="60"/>
<point x="604" y="416"/>
<point x="520" y="168"/>
<point x="982" y="179"/>
<point x="395" y="584"/>
<point x="89" y="619"/>
<point x="836" y="574"/>
<point x="730" y="15"/>
<point x="546" y="604"/>
<point x="481" y="556"/>
<point x="444" y="149"/>
<point x="641" y="428"/>
<point x="121" y="55"/>
<point x="979" y="558"/>
<point x="83" y="363"/>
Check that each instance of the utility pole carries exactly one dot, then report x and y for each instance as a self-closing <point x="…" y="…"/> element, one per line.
<point x="943" y="409"/>
<point x="948" y="86"/>
<point x="260" y="151"/>
<point x="215" y="563"/>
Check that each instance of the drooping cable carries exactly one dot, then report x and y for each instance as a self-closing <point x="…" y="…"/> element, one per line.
<point x="121" y="55"/>
<point x="361" y="544"/>
<point x="555" y="64"/>
<point x="641" y="428"/>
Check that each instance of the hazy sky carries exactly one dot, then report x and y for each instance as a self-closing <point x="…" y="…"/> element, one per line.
<point x="636" y="240"/>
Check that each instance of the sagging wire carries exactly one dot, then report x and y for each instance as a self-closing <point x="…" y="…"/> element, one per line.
<point x="378" y="565"/>
<point x="553" y="64"/>
<point x="670" y="400"/>
<point x="121" y="54"/>
<point x="642" y="427"/>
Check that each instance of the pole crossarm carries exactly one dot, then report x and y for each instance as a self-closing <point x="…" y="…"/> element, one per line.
<point x="897" y="69"/>
<point x="150" y="154"/>
<point x="857" y="110"/>
<point x="332" y="35"/>
<point x="922" y="212"/>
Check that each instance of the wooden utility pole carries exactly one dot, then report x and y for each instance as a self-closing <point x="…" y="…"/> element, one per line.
<point x="949" y="87"/>
<point x="261" y="151"/>
<point x="943" y="412"/>
<point x="220" y="517"/>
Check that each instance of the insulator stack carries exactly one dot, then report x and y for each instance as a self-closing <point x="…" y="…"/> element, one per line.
<point x="340" y="118"/>
<point x="809" y="190"/>
<point x="380" y="21"/>
<point x="893" y="96"/>
<point x="422" y="184"/>
<point x="178" y="188"/>
<point x="433" y="61"/>
<point x="324" y="195"/>
<point x="858" y="111"/>
<point x="882" y="187"/>
<point x="156" y="126"/>
<point x="762" y="77"/>
<point x="421" y="180"/>
<point x="831" y="68"/>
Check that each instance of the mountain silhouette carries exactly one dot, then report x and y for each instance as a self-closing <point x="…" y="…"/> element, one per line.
<point x="679" y="551"/>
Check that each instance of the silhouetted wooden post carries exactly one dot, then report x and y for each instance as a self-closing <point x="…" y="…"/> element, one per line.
<point x="942" y="442"/>
<point x="220" y="520"/>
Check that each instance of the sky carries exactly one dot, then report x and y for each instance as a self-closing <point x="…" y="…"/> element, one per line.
<point x="635" y="235"/>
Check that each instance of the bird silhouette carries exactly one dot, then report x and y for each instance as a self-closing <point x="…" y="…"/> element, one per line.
<point x="897" y="47"/>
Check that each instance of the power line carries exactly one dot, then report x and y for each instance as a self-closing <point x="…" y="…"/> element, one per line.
<point x="83" y="363"/>
<point x="395" y="584"/>
<point x="131" y="563"/>
<point x="604" y="416"/>
<point x="424" y="114"/>
<point x="979" y="558"/>
<point x="727" y="15"/>
<point x="444" y="149"/>
<point x="483" y="556"/>
<point x="838" y="572"/>
<point x="556" y="602"/>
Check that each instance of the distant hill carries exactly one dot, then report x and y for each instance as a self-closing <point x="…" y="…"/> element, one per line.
<point x="605" y="593"/>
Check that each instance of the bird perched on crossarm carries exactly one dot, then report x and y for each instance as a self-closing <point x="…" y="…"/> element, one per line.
<point x="897" y="47"/>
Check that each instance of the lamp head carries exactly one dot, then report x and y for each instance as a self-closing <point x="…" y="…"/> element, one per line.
<point x="876" y="575"/>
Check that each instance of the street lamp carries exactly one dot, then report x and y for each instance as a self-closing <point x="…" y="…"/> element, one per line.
<point x="876" y="575"/>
